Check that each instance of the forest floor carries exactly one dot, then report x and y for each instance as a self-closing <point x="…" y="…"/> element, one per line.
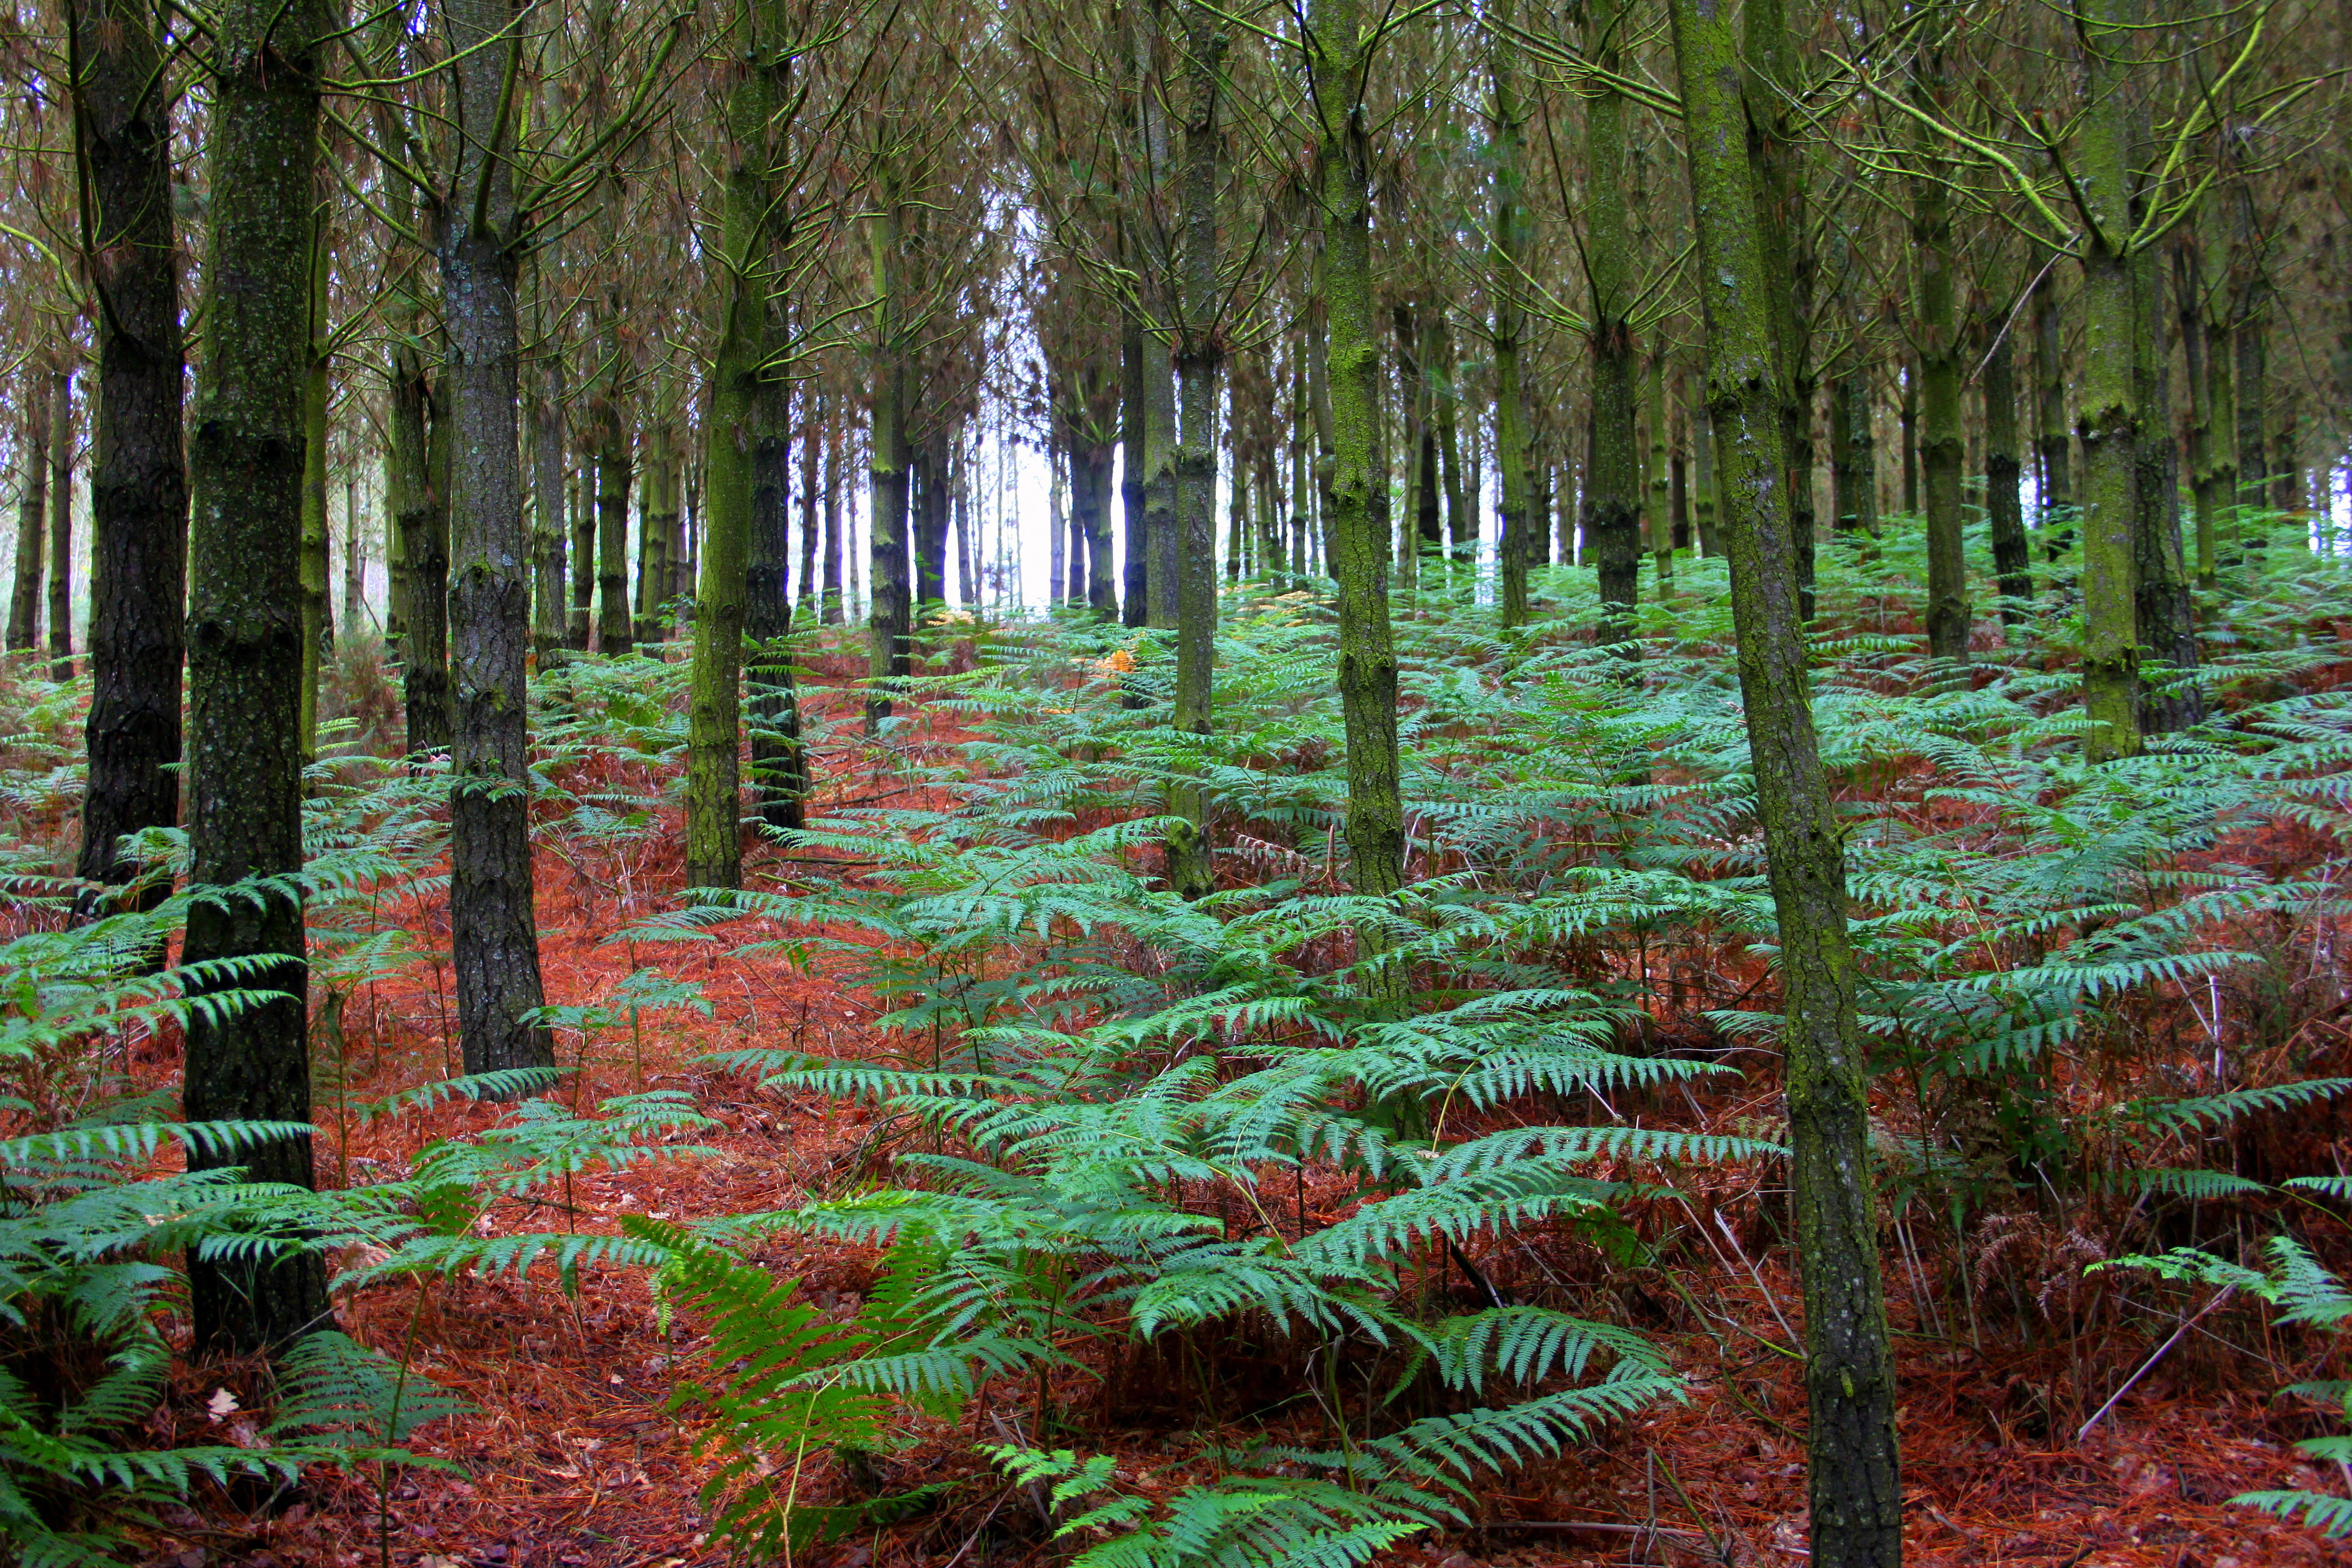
<point x="575" y="1456"/>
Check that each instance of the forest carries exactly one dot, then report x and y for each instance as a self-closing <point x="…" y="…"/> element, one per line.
<point x="1180" y="783"/>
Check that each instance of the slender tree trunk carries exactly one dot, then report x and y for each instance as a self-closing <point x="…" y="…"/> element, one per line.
<point x="60" y="550"/>
<point x="493" y="935"/>
<point x="1505" y="250"/>
<point x="1935" y="328"/>
<point x="806" y="599"/>
<point x="1334" y="50"/>
<point x="656" y="519"/>
<point x="318" y="622"/>
<point x="1136" y="584"/>
<point x="2110" y="421"/>
<point x="1190" y="864"/>
<point x="1657" y="500"/>
<point x="32" y="516"/>
<point x="2052" y="444"/>
<point x="354" y="563"/>
<point x="1612" y="502"/>
<point x="549" y="522"/>
<point x="1161" y="590"/>
<point x="746" y="542"/>
<point x="245" y="661"/>
<point x="1102" y="591"/>
<point x="419" y="435"/>
<point x="1854" y="1483"/>
<point x="1786" y="238"/>
<point x="1907" y="413"/>
<point x="580" y="618"/>
<point x="615" y="469"/>
<point x="834" y="598"/>
<point x="890" y="623"/>
<point x="2012" y="554"/>
<point x="138" y="473"/>
<point x="2164" y="606"/>
<point x="2206" y="352"/>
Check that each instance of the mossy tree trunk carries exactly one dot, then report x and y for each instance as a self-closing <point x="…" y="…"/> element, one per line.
<point x="138" y="471"/>
<point x="1855" y="1482"/>
<point x="745" y="455"/>
<point x="245" y="629"/>
<point x="1336" y="51"/>
<point x="2109" y="423"/>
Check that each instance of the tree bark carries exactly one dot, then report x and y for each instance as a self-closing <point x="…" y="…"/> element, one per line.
<point x="1855" y="1482"/>
<point x="2109" y="423"/>
<point x="1335" y="49"/>
<point x="1190" y="864"/>
<point x="317" y="617"/>
<point x="493" y="935"/>
<point x="2012" y="553"/>
<point x="1137" y="575"/>
<point x="60" y="550"/>
<point x="745" y="455"/>
<point x="1613" y="498"/>
<point x="244" y="635"/>
<point x="138" y="475"/>
<point x="1506" y="248"/>
<point x="32" y="515"/>
<point x="890" y="623"/>
<point x="1935" y="331"/>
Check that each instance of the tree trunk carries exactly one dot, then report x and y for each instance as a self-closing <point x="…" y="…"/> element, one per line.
<point x="1506" y="246"/>
<point x="1159" y="526"/>
<point x="2051" y="444"/>
<point x="32" y="515"/>
<point x="2163" y="605"/>
<point x="245" y="660"/>
<point x="493" y="935"/>
<point x="579" y="618"/>
<point x="890" y="623"/>
<point x="614" y="463"/>
<point x="2110" y="423"/>
<point x="1102" y="591"/>
<point x="551" y="521"/>
<point x="138" y="476"/>
<point x="835" y="599"/>
<point x="1613" y="475"/>
<point x="1854" y="1483"/>
<point x="1190" y="864"/>
<point x="1335" y="49"/>
<point x="2012" y="554"/>
<point x="808" y="431"/>
<point x="1786" y="238"/>
<point x="318" y="619"/>
<point x="1936" y="329"/>
<point x="1136" y="576"/>
<point x="745" y="543"/>
<point x="60" y="550"/>
<point x="419" y="436"/>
